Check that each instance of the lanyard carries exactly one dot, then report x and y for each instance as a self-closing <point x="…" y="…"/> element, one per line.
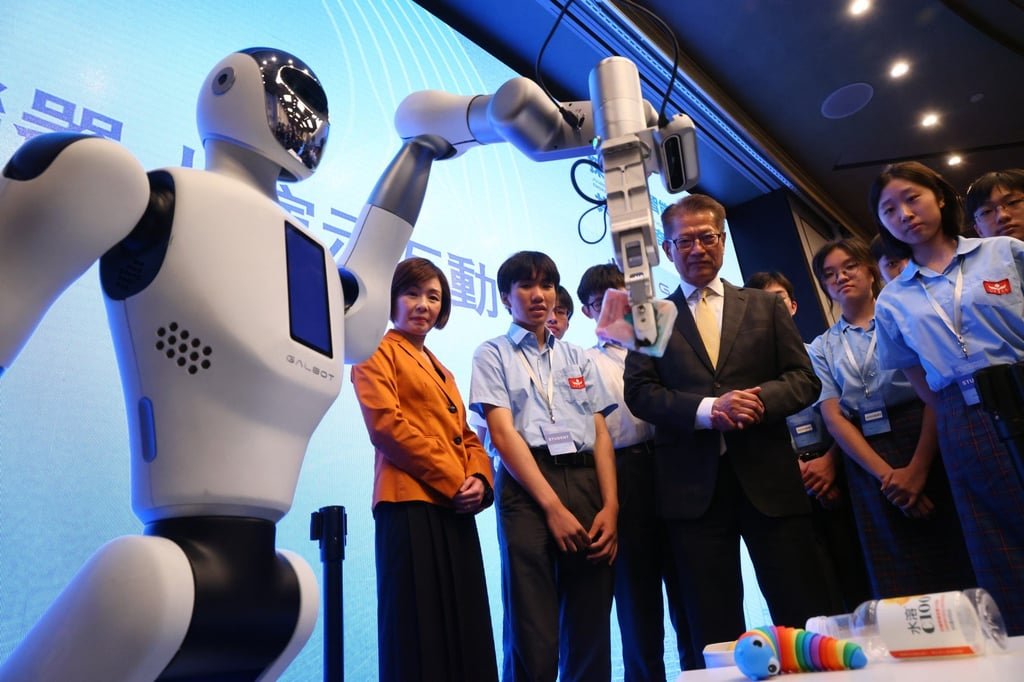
<point x="549" y="396"/>
<point x="853" y="361"/>
<point x="955" y="324"/>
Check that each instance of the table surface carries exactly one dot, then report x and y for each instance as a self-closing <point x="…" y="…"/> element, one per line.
<point x="1003" y="667"/>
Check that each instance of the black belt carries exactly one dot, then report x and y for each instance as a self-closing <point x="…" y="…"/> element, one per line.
<point x="570" y="459"/>
<point x="644" y="448"/>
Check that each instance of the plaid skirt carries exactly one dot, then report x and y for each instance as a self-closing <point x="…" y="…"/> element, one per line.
<point x="907" y="556"/>
<point x="990" y="499"/>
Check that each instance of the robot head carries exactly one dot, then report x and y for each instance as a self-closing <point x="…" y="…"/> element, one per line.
<point x="270" y="102"/>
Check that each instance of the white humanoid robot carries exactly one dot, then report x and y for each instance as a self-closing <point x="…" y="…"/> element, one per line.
<point x="229" y="357"/>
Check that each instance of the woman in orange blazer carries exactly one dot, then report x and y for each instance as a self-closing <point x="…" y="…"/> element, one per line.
<point x="431" y="475"/>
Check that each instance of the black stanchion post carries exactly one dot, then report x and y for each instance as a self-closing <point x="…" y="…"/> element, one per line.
<point x="1001" y="389"/>
<point x="330" y="527"/>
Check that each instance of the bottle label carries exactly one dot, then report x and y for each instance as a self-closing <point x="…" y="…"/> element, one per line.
<point x="927" y="625"/>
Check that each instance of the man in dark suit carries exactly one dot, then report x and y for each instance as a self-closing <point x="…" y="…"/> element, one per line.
<point x="734" y="368"/>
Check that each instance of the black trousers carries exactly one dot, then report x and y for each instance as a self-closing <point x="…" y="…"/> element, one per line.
<point x="785" y="552"/>
<point x="557" y="620"/>
<point x="643" y="564"/>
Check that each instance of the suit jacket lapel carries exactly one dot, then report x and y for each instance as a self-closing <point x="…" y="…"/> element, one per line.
<point x="425" y="365"/>
<point x="733" y="310"/>
<point x="688" y="328"/>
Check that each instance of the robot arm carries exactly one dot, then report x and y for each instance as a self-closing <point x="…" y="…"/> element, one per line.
<point x="65" y="199"/>
<point x="519" y="113"/>
<point x="630" y="151"/>
<point x="631" y="147"/>
<point x="381" y="233"/>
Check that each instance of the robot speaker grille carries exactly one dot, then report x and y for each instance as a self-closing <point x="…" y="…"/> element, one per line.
<point x="187" y="351"/>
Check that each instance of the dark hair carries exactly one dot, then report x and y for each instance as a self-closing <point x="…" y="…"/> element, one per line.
<point x="856" y="249"/>
<point x="597" y="279"/>
<point x="526" y="265"/>
<point x="565" y="300"/>
<point x="763" y="280"/>
<point x="878" y="248"/>
<point x="981" y="189"/>
<point x="693" y="203"/>
<point x="920" y="174"/>
<point x="414" y="272"/>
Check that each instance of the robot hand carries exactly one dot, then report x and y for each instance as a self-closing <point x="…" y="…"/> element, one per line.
<point x="631" y="147"/>
<point x="630" y="151"/>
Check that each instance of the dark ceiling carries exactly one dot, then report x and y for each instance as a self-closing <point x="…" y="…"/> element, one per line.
<point x="766" y="67"/>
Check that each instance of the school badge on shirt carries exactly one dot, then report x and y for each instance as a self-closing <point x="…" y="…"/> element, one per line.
<point x="998" y="288"/>
<point x="577" y="382"/>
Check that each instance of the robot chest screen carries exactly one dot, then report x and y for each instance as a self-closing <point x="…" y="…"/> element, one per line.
<point x="308" y="306"/>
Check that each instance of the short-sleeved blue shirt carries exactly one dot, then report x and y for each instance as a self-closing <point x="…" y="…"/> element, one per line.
<point x="500" y="378"/>
<point x="843" y="380"/>
<point x="911" y="333"/>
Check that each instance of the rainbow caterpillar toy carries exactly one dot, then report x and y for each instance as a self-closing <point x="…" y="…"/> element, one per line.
<point x="767" y="651"/>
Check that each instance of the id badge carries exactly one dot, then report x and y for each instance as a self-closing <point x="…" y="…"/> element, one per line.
<point x="965" y="370"/>
<point x="874" y="417"/>
<point x="558" y="438"/>
<point x="806" y="429"/>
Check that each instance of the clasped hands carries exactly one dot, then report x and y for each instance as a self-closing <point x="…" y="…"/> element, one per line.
<point x="904" y="488"/>
<point x="600" y="543"/>
<point x="738" y="409"/>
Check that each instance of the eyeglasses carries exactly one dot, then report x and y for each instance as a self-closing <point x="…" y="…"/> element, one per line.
<point x="594" y="305"/>
<point x="707" y="240"/>
<point x="987" y="212"/>
<point x="832" y="276"/>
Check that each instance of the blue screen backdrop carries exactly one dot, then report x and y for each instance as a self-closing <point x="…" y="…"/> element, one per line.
<point x="131" y="71"/>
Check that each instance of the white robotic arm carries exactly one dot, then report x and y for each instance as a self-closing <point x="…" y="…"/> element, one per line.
<point x="630" y="151"/>
<point x="380" y="236"/>
<point x="618" y="123"/>
<point x="67" y="199"/>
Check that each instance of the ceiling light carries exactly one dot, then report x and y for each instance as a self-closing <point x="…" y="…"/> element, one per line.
<point x="930" y="120"/>
<point x="859" y="7"/>
<point x="954" y="160"/>
<point x="899" y="69"/>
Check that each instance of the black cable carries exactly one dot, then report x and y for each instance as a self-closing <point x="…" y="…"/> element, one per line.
<point x="598" y="203"/>
<point x="575" y="185"/>
<point x="579" y="225"/>
<point x="675" y="55"/>
<point x="567" y="115"/>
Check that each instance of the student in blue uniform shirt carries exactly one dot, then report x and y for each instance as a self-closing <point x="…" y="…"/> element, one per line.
<point x="545" y="405"/>
<point x="821" y="469"/>
<point x="644" y="560"/>
<point x="906" y="520"/>
<point x="957" y="308"/>
<point x="995" y="204"/>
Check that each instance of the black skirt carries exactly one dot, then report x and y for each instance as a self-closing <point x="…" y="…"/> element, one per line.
<point x="433" y="617"/>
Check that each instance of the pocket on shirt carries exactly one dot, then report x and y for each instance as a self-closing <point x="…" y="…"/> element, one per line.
<point x="572" y="385"/>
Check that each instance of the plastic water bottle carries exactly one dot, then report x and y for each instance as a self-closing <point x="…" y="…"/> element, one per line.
<point x="960" y="623"/>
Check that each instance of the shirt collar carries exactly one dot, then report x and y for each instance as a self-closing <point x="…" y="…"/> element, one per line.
<point x="964" y="245"/>
<point x="518" y="336"/>
<point x="844" y="325"/>
<point x="715" y="285"/>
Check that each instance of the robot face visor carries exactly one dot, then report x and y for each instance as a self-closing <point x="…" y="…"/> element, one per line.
<point x="297" y="111"/>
